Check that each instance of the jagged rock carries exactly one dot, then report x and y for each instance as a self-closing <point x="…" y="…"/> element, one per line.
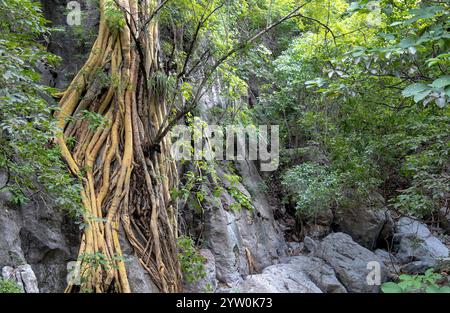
<point x="350" y="261"/>
<point x="390" y="261"/>
<point x="320" y="273"/>
<point x="242" y="242"/>
<point x="278" y="278"/>
<point x="209" y="283"/>
<point x="71" y="45"/>
<point x="40" y="235"/>
<point x="24" y="276"/>
<point x="310" y="244"/>
<point x="138" y="277"/>
<point x="363" y="224"/>
<point x="418" y="267"/>
<point x="324" y="217"/>
<point x="416" y="243"/>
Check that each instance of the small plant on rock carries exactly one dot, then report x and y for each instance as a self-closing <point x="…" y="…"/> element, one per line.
<point x="9" y="286"/>
<point x="430" y="282"/>
<point x="192" y="262"/>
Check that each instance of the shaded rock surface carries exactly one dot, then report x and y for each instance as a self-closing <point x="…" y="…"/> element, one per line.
<point x="365" y="223"/>
<point x="73" y="44"/>
<point x="278" y="278"/>
<point x="242" y="242"/>
<point x="38" y="235"/>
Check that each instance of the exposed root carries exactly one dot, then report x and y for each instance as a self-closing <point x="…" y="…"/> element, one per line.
<point x="121" y="185"/>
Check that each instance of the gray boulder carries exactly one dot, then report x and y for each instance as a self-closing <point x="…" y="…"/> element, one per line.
<point x="138" y="278"/>
<point x="301" y="274"/>
<point x="351" y="262"/>
<point x="364" y="224"/>
<point x="320" y="273"/>
<point x="279" y="278"/>
<point x="24" y="276"/>
<point x="416" y="243"/>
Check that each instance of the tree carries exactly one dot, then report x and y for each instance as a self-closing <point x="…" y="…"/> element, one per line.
<point x="124" y="182"/>
<point x="119" y="147"/>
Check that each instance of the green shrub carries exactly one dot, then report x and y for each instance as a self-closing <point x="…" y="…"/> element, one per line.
<point x="312" y="187"/>
<point x="27" y="130"/>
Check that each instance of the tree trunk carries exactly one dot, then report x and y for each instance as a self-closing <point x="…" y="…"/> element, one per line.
<point x="125" y="185"/>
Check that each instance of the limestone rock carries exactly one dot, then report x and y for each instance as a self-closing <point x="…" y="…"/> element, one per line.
<point x="278" y="278"/>
<point x="363" y="224"/>
<point x="416" y="243"/>
<point x="350" y="261"/>
<point x="242" y="242"/>
<point x="318" y="272"/>
<point x="24" y="276"/>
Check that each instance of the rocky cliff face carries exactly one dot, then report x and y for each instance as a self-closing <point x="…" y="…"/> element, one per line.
<point x="37" y="235"/>
<point x="242" y="242"/>
<point x="71" y="42"/>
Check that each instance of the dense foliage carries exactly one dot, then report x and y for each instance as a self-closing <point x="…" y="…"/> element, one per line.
<point x="371" y="92"/>
<point x="27" y="129"/>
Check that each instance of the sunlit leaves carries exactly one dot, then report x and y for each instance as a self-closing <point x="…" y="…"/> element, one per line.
<point x="114" y="16"/>
<point x="27" y="129"/>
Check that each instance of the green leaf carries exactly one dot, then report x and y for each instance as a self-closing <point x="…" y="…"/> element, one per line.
<point x="447" y="91"/>
<point x="414" y="89"/>
<point x="441" y="82"/>
<point x="391" y="287"/>
<point x="421" y="95"/>
<point x="407" y="42"/>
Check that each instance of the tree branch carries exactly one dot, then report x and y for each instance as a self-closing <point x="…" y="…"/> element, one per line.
<point x="163" y="131"/>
